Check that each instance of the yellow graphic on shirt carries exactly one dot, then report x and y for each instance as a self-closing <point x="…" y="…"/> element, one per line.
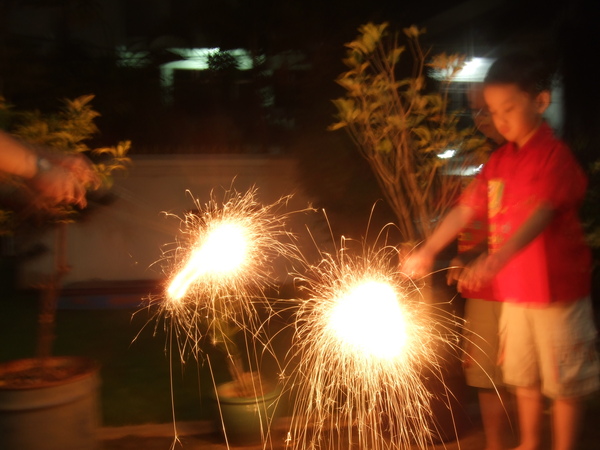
<point x="495" y="191"/>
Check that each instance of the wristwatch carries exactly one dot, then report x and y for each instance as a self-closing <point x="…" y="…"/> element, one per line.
<point x="43" y="165"/>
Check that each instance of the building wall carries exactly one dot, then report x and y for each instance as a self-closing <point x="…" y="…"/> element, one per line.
<point x="125" y="240"/>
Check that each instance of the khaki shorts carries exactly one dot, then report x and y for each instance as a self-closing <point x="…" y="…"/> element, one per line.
<point x="480" y="343"/>
<point x="551" y="347"/>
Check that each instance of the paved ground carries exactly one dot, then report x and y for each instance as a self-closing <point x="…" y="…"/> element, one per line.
<point x="200" y="435"/>
<point x="160" y="437"/>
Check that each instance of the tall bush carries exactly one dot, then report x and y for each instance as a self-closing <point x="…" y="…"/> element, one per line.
<point x="402" y="125"/>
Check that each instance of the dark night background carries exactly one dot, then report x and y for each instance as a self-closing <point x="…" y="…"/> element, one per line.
<point x="36" y="70"/>
<point x="55" y="49"/>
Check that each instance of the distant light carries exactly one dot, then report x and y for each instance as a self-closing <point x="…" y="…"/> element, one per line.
<point x="463" y="171"/>
<point x="471" y="170"/>
<point x="447" y="154"/>
<point x="192" y="58"/>
<point x="473" y="71"/>
<point x="197" y="58"/>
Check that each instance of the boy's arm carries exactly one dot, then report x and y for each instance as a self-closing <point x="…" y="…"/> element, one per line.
<point x="533" y="226"/>
<point x="421" y="261"/>
<point x="484" y="269"/>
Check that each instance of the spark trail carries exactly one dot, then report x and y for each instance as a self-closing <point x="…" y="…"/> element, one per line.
<point x="364" y="342"/>
<point x="218" y="274"/>
<point x="221" y="267"/>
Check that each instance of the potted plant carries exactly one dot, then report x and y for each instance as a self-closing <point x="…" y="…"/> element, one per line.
<point x="55" y="396"/>
<point x="219" y="274"/>
<point x="246" y="406"/>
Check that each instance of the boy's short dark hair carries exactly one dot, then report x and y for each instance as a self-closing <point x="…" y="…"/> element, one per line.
<point x="527" y="71"/>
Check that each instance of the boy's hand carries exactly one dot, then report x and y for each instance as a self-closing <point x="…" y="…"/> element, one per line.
<point x="418" y="264"/>
<point x="454" y="270"/>
<point x="479" y="273"/>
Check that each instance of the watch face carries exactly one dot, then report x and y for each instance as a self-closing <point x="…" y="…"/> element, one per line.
<point x="43" y="165"/>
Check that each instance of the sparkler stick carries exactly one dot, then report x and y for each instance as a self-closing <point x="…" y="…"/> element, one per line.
<point x="364" y="340"/>
<point x="220" y="270"/>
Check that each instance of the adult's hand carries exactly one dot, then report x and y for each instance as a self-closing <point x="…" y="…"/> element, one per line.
<point x="63" y="180"/>
<point x="54" y="178"/>
<point x="81" y="168"/>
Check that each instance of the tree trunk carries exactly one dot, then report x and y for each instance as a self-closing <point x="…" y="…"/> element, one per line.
<point x="49" y="298"/>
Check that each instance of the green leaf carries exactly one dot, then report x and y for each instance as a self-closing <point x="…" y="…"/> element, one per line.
<point x="384" y="146"/>
<point x="337" y="126"/>
<point x="413" y="31"/>
<point x="400" y="126"/>
<point x="394" y="55"/>
<point x="422" y="133"/>
<point x="344" y="106"/>
<point x="358" y="46"/>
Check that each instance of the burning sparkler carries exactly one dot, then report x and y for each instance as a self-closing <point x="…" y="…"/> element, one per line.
<point x="363" y="338"/>
<point x="222" y="267"/>
<point x="364" y="341"/>
<point x="221" y="270"/>
<point x="223" y="250"/>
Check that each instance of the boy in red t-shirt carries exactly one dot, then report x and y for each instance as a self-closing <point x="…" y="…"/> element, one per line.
<point x="538" y="263"/>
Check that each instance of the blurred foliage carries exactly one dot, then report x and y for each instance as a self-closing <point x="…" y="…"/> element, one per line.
<point x="400" y="126"/>
<point x="222" y="61"/>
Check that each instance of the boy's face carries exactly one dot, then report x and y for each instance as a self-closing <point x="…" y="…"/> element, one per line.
<point x="515" y="113"/>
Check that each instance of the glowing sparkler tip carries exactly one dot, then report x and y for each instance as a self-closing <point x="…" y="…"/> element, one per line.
<point x="364" y="340"/>
<point x="222" y="251"/>
<point x="369" y="320"/>
<point x="226" y="247"/>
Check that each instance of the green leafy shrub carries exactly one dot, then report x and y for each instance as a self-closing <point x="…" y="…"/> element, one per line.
<point x="401" y="127"/>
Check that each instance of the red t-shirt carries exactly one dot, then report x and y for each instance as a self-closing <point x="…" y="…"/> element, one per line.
<point x="556" y="265"/>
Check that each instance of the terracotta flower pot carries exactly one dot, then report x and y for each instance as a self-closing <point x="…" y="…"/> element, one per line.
<point x="246" y="420"/>
<point x="51" y="408"/>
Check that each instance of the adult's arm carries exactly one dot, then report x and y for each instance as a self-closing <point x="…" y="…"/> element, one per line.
<point x="16" y="158"/>
<point x="56" y="179"/>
